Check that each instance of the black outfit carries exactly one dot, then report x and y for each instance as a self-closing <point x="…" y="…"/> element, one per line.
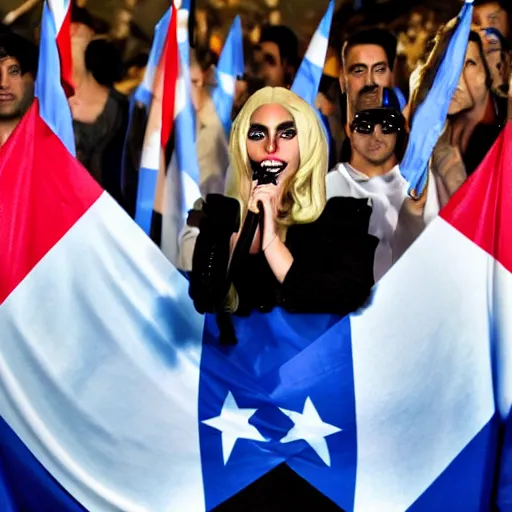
<point x="332" y="272"/>
<point x="484" y="135"/>
<point x="99" y="145"/>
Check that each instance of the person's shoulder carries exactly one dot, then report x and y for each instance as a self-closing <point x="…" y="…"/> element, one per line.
<point x="339" y="210"/>
<point x="338" y="182"/>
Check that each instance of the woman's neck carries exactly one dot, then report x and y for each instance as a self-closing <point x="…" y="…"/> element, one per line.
<point x="465" y="123"/>
<point x="80" y="72"/>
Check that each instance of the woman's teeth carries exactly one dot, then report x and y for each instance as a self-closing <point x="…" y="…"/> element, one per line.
<point x="272" y="164"/>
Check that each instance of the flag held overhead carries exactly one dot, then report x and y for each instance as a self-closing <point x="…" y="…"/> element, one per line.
<point x="307" y="80"/>
<point x="430" y="117"/>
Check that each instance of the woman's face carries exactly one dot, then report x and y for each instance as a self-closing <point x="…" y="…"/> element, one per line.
<point x="472" y="89"/>
<point x="272" y="142"/>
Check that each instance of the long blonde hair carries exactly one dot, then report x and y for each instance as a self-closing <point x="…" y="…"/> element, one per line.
<point x="304" y="195"/>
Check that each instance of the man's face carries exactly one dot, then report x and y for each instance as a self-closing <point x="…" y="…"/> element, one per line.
<point x="273" y="69"/>
<point x="492" y="15"/>
<point x="364" y="64"/>
<point x="377" y="147"/>
<point x="472" y="88"/>
<point x="497" y="59"/>
<point x="197" y="82"/>
<point x="16" y="90"/>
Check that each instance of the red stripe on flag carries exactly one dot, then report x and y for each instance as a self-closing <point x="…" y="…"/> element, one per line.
<point x="482" y="208"/>
<point x="170" y="61"/>
<point x="43" y="192"/>
<point x="66" y="58"/>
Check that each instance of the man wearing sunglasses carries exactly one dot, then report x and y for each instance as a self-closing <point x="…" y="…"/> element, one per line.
<point x="378" y="138"/>
<point x="368" y="57"/>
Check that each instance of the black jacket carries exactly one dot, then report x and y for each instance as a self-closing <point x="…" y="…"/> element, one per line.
<point x="332" y="271"/>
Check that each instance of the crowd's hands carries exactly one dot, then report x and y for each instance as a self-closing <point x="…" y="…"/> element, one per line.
<point x="448" y="167"/>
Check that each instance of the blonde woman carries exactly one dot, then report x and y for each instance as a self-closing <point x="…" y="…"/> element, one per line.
<point x="307" y="255"/>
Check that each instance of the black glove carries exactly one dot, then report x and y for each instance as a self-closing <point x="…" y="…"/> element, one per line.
<point x="209" y="284"/>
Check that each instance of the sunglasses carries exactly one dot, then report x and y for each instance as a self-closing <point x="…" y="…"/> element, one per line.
<point x="365" y="121"/>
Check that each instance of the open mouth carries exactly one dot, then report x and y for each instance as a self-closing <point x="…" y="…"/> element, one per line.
<point x="267" y="171"/>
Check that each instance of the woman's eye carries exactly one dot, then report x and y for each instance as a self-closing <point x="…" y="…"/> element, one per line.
<point x="256" y="135"/>
<point x="290" y="133"/>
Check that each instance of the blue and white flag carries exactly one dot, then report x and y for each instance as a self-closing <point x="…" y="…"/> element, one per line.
<point x="150" y="93"/>
<point x="430" y="117"/>
<point x="182" y="178"/>
<point x="230" y="66"/>
<point x="307" y="79"/>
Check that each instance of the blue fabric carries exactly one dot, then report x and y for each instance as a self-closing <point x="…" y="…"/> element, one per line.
<point x="430" y="117"/>
<point x="53" y="104"/>
<point x="280" y="361"/>
<point x="145" y="198"/>
<point x="401" y="98"/>
<point x="231" y="64"/>
<point x="466" y="484"/>
<point x="25" y="486"/>
<point x="309" y="74"/>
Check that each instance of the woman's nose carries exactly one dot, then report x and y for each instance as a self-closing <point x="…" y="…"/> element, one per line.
<point x="271" y="146"/>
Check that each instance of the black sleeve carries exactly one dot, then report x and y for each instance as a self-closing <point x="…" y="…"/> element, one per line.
<point x="208" y="280"/>
<point x="332" y="271"/>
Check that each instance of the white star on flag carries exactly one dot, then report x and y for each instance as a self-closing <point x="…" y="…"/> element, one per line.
<point x="234" y="424"/>
<point x="308" y="426"/>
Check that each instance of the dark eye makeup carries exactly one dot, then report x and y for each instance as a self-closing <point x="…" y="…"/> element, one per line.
<point x="286" y="130"/>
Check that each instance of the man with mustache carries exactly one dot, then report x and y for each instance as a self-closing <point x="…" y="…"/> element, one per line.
<point x="18" y="67"/>
<point x="368" y="58"/>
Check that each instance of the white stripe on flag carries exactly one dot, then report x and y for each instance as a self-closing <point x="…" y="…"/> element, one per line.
<point x="227" y="82"/>
<point x="317" y="50"/>
<point x="150" y="158"/>
<point x="449" y="383"/>
<point x="120" y="369"/>
<point x="59" y="10"/>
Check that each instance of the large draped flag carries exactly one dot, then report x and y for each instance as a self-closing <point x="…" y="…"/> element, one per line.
<point x="113" y="398"/>
<point x="110" y="401"/>
<point x="309" y="74"/>
<point x="430" y="117"/>
<point x="230" y="67"/>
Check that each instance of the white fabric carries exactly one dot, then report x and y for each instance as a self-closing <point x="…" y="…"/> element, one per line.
<point x="399" y="368"/>
<point x="118" y="338"/>
<point x="387" y="194"/>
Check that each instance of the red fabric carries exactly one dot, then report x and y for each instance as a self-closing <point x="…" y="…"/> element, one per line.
<point x="482" y="208"/>
<point x="43" y="193"/>
<point x="170" y="61"/>
<point x="66" y="59"/>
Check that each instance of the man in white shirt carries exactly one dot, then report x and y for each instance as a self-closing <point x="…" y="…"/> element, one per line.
<point x="378" y="139"/>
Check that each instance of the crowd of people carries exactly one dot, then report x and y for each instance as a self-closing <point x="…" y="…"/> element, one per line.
<point x="330" y="217"/>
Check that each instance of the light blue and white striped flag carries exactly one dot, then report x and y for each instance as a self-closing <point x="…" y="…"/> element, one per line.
<point x="183" y="177"/>
<point x="231" y="65"/>
<point x="308" y="76"/>
<point x="429" y="120"/>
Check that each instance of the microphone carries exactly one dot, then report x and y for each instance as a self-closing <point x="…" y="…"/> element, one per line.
<point x="263" y="176"/>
